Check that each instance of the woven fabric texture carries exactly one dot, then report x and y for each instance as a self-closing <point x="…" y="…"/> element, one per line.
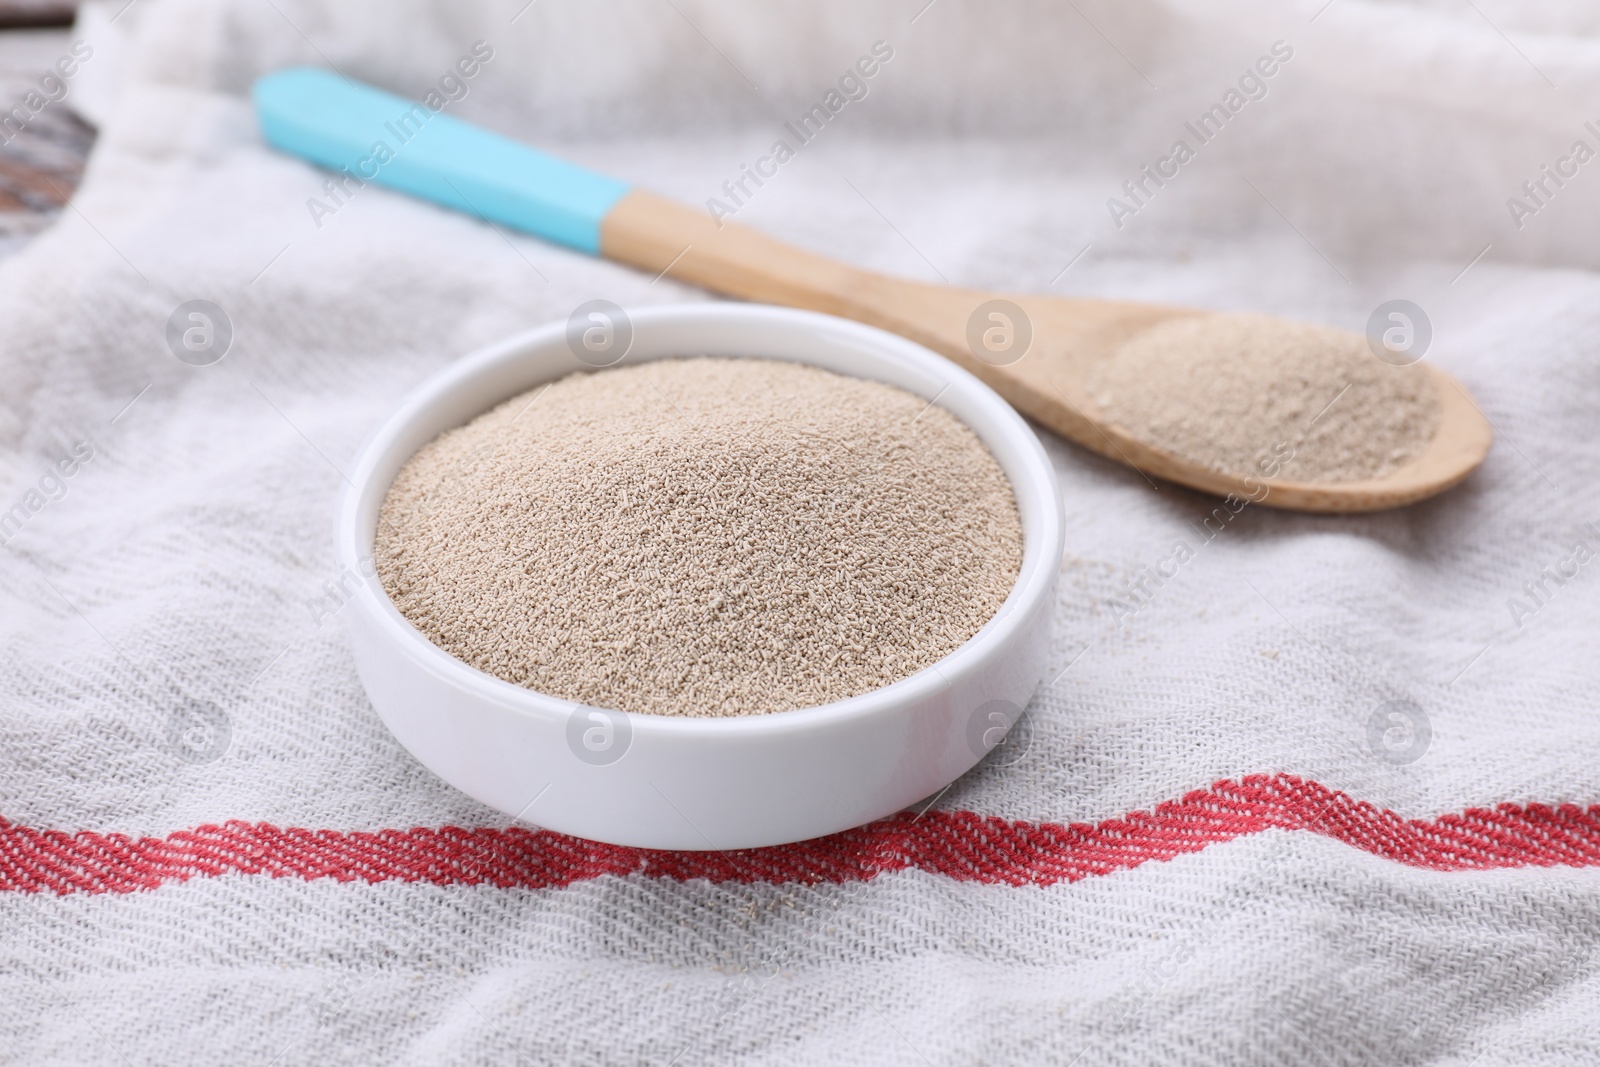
<point x="1219" y="844"/>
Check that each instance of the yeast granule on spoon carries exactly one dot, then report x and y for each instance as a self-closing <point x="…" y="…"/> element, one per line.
<point x="704" y="537"/>
<point x="1238" y="392"/>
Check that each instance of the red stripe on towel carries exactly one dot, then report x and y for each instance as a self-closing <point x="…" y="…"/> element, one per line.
<point x="956" y="844"/>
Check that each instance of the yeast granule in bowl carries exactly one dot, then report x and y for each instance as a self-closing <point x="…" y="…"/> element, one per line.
<point x="703" y="537"/>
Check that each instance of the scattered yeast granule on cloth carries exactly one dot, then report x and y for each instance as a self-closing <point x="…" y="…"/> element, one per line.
<point x="1227" y="391"/>
<point x="702" y="537"/>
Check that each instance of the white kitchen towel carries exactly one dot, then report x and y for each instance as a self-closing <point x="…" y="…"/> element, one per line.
<point x="1328" y="796"/>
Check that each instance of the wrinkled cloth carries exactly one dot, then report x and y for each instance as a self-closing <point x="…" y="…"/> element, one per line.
<point x="172" y="658"/>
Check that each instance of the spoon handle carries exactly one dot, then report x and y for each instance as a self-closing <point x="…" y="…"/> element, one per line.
<point x="365" y="135"/>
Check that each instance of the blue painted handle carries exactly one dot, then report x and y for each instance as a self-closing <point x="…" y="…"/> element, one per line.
<point x="379" y="137"/>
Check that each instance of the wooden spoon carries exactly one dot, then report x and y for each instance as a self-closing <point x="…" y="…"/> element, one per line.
<point x="1047" y="382"/>
<point x="339" y="124"/>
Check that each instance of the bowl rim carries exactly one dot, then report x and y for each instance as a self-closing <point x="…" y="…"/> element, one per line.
<point x="1042" y="548"/>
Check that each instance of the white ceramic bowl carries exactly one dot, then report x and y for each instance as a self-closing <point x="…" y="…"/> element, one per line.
<point x="656" y="781"/>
